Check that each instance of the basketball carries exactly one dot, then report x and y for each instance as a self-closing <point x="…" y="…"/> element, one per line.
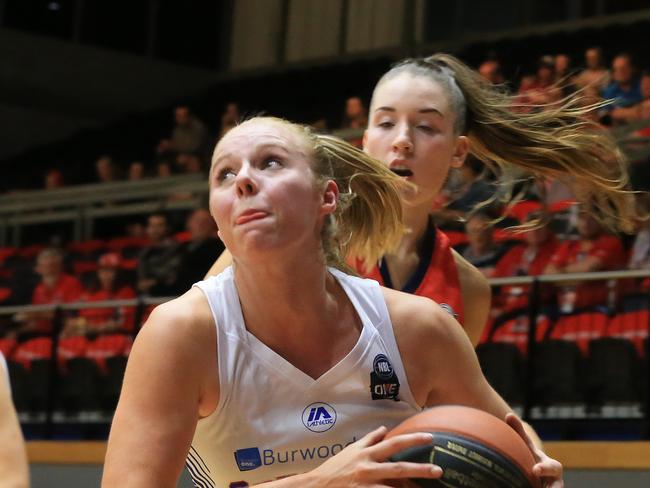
<point x="473" y="448"/>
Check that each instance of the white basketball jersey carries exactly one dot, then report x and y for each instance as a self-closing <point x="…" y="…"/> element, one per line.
<point x="273" y="420"/>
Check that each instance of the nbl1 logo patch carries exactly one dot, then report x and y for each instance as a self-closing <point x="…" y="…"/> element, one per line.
<point x="384" y="384"/>
<point x="319" y="417"/>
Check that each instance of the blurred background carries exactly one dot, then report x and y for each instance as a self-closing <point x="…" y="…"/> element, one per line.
<point x="109" y="111"/>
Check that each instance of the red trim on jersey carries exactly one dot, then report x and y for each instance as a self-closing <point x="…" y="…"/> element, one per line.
<point x="440" y="282"/>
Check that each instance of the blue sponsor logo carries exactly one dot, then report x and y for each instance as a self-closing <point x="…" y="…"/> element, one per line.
<point x="382" y="367"/>
<point x="248" y="459"/>
<point x="319" y="417"/>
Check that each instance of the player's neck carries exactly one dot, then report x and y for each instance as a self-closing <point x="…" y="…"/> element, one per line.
<point x="301" y="313"/>
<point x="416" y="221"/>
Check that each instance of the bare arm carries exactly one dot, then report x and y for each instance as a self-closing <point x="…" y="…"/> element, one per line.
<point x="476" y="295"/>
<point x="13" y="458"/>
<point x="430" y="340"/>
<point x="165" y="386"/>
<point x="220" y="264"/>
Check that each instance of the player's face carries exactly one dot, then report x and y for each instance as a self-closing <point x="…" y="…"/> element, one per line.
<point x="411" y="129"/>
<point x="263" y="193"/>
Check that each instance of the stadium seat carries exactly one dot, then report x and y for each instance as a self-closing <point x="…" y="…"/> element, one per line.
<point x="580" y="328"/>
<point x="19" y="386"/>
<point x="558" y="371"/>
<point x="613" y="369"/>
<point x="632" y="326"/>
<point x="521" y="209"/>
<point x="502" y="366"/>
<point x="77" y="386"/>
<point x="512" y="328"/>
<point x="38" y="381"/>
<point x="7" y="346"/>
<point x="112" y="382"/>
<point x="38" y="348"/>
<point x="108" y="346"/>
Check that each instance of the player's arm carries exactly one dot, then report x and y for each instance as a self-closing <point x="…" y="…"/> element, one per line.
<point x="13" y="458"/>
<point x="446" y="366"/>
<point x="165" y="387"/>
<point x="222" y="262"/>
<point x="476" y="295"/>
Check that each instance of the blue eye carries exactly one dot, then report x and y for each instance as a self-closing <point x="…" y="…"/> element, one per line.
<point x="386" y="125"/>
<point x="272" y="162"/>
<point x="225" y="173"/>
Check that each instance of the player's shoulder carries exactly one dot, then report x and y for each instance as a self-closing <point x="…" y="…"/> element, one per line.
<point x="472" y="281"/>
<point x="413" y="315"/>
<point x="183" y="320"/>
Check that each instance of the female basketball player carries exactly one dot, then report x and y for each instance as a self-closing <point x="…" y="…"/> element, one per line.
<point x="277" y="368"/>
<point x="425" y="116"/>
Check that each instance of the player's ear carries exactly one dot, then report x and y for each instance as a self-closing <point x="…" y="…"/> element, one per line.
<point x="330" y="197"/>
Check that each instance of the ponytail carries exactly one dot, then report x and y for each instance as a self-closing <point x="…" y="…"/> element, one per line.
<point x="558" y="142"/>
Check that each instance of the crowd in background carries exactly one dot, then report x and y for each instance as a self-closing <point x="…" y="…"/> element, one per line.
<point x="159" y="258"/>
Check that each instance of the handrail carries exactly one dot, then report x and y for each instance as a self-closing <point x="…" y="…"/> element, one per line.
<point x="563" y="278"/>
<point x="510" y="280"/>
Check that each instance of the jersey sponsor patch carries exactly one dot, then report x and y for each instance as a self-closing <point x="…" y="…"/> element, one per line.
<point x="248" y="459"/>
<point x="384" y="384"/>
<point x="319" y="417"/>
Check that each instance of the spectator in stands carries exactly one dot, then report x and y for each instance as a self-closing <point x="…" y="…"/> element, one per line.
<point x="200" y="252"/>
<point x="136" y="171"/>
<point x="356" y="114"/>
<point x="163" y="169"/>
<point x="595" y="75"/>
<point x="55" y="287"/>
<point x="481" y="250"/>
<point x="625" y="89"/>
<point x="469" y="188"/>
<point x="190" y="163"/>
<point x="594" y="250"/>
<point x="540" y="89"/>
<point x="528" y="259"/>
<point x="14" y="470"/>
<point x="158" y="262"/>
<point x="100" y="321"/>
<point x="491" y="71"/>
<point x="640" y="254"/>
<point x="640" y="110"/>
<point x="229" y="119"/>
<point x="53" y="179"/>
<point x="564" y="74"/>
<point x="188" y="135"/>
<point x="107" y="171"/>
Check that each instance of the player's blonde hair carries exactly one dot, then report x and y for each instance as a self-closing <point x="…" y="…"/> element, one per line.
<point x="367" y="221"/>
<point x="556" y="142"/>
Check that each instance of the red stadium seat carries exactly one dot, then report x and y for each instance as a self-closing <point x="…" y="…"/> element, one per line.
<point x="32" y="350"/>
<point x="7" y="346"/>
<point x="520" y="210"/>
<point x="30" y="252"/>
<point x="6" y="252"/>
<point x="632" y="326"/>
<point x="108" y="346"/>
<point x="561" y="206"/>
<point x="515" y="331"/>
<point x="182" y="237"/>
<point x="87" y="247"/>
<point x="504" y="235"/>
<point x="580" y="328"/>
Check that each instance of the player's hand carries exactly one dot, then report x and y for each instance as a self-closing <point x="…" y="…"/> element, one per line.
<point x="363" y="464"/>
<point x="547" y="469"/>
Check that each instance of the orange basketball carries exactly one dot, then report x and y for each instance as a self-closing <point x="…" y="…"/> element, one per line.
<point x="473" y="448"/>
